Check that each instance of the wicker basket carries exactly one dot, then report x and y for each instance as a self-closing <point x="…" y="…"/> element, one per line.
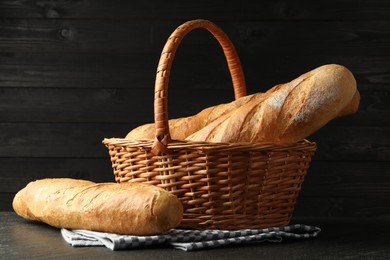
<point x="221" y="185"/>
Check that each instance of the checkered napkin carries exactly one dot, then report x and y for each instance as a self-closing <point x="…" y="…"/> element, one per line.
<point x="188" y="240"/>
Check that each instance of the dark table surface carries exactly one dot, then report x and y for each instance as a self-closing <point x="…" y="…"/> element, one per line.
<point x="339" y="239"/>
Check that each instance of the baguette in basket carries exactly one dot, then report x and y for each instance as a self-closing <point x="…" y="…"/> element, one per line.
<point x="286" y="113"/>
<point x="234" y="184"/>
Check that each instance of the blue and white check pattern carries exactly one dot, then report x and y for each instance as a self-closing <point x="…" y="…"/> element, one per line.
<point x="188" y="240"/>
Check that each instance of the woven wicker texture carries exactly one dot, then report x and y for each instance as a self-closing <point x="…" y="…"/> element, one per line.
<point x="221" y="185"/>
<point x="163" y="72"/>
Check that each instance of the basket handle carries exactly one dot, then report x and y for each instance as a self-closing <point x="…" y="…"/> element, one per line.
<point x="163" y="70"/>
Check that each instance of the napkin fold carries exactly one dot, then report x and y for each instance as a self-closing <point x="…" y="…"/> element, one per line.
<point x="188" y="240"/>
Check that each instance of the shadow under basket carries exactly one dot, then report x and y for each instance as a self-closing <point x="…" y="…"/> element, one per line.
<point x="221" y="185"/>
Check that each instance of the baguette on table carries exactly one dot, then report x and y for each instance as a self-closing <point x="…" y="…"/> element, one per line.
<point x="125" y="208"/>
<point x="286" y="113"/>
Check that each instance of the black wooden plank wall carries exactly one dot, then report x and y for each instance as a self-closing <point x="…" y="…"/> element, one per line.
<point x="74" y="72"/>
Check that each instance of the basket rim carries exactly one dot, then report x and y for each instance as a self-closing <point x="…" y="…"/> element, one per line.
<point x="214" y="146"/>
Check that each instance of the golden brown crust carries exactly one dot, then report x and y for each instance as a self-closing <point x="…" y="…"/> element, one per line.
<point x="352" y="106"/>
<point x="180" y="128"/>
<point x="286" y="113"/>
<point x="126" y="208"/>
<point x="321" y="97"/>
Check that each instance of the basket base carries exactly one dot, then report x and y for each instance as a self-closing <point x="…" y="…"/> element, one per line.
<point x="221" y="186"/>
<point x="234" y="222"/>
